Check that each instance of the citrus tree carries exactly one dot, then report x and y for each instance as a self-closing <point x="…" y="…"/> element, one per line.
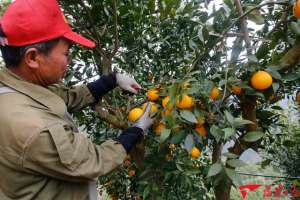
<point x="213" y="71"/>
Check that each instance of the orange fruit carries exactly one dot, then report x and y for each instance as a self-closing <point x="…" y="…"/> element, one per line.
<point x="158" y="128"/>
<point x="172" y="146"/>
<point x="296" y="9"/>
<point x="186" y="85"/>
<point x="195" y="152"/>
<point x="153" y="109"/>
<point x="271" y="97"/>
<point x="166" y="113"/>
<point x="134" y="114"/>
<point x="114" y="197"/>
<point x="168" y="157"/>
<point x="200" y="121"/>
<point x="152" y="95"/>
<point x="126" y="163"/>
<point x="131" y="173"/>
<point x="261" y="80"/>
<point x="108" y="183"/>
<point x="128" y="157"/>
<point x="138" y="197"/>
<point x="166" y="104"/>
<point x="184" y="102"/>
<point x="298" y="97"/>
<point x="201" y="131"/>
<point x="236" y="90"/>
<point x="214" y="94"/>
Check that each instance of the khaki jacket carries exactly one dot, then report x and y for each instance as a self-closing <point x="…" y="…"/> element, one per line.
<point x="41" y="154"/>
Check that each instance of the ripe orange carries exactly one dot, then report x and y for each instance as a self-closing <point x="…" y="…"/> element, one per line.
<point x="261" y="80"/>
<point x="138" y="197"/>
<point x="126" y="163"/>
<point x="271" y="97"/>
<point x="166" y="113"/>
<point x="131" y="172"/>
<point x="214" y="94"/>
<point x="152" y="95"/>
<point x="184" y="102"/>
<point x="158" y="128"/>
<point x="195" y="152"/>
<point x="296" y="9"/>
<point x="201" y="131"/>
<point x="134" y="114"/>
<point x="200" y="121"/>
<point x="298" y="97"/>
<point x="186" y="85"/>
<point x="113" y="197"/>
<point x="153" y="109"/>
<point x="236" y="90"/>
<point x="165" y="103"/>
<point x="168" y="157"/>
<point x="128" y="157"/>
<point x="108" y="183"/>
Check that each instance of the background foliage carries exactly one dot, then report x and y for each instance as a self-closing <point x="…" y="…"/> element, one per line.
<point x="164" y="43"/>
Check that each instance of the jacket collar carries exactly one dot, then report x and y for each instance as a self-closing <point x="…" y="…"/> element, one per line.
<point x="36" y="92"/>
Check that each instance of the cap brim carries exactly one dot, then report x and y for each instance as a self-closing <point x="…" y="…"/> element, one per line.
<point x="75" y="37"/>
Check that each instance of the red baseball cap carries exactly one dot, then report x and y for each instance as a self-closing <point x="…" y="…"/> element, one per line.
<point x="27" y="22"/>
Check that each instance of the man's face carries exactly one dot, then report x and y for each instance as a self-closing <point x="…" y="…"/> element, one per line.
<point x="53" y="67"/>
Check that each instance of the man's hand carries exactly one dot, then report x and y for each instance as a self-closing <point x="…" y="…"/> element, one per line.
<point x="145" y="121"/>
<point x="127" y="83"/>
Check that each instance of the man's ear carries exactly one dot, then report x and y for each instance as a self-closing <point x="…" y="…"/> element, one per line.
<point x="32" y="58"/>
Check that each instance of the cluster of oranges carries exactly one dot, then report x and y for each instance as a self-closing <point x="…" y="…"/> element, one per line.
<point x="181" y="102"/>
<point x="128" y="164"/>
<point x="260" y="80"/>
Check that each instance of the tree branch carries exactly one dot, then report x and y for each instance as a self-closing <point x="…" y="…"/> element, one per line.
<point x="115" y="17"/>
<point x="243" y="26"/>
<point x="109" y="118"/>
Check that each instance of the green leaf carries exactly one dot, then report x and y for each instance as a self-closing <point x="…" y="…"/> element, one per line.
<point x="230" y="155"/>
<point x="275" y="86"/>
<point x="146" y="191"/>
<point x="253" y="136"/>
<point x="214" y="169"/>
<point x="200" y="34"/>
<point x="255" y="16"/>
<point x="192" y="44"/>
<point x="189" y="142"/>
<point x="178" y="137"/>
<point x="289" y="143"/>
<point x="274" y="73"/>
<point x="238" y="122"/>
<point x="229" y="117"/>
<point x="228" y="132"/>
<point x="165" y="133"/>
<point x="229" y="3"/>
<point x="188" y="115"/>
<point x="262" y="51"/>
<point x="216" y="132"/>
<point x="235" y="177"/>
<point x="236" y="163"/>
<point x="295" y="28"/>
<point x="252" y="58"/>
<point x="291" y="77"/>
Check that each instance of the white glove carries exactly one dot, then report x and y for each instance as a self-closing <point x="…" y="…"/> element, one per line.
<point x="145" y="121"/>
<point x="127" y="83"/>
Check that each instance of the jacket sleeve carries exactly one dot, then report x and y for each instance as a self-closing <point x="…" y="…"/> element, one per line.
<point x="75" y="97"/>
<point x="58" y="152"/>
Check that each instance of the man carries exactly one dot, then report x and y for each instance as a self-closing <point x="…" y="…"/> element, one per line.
<point x="42" y="155"/>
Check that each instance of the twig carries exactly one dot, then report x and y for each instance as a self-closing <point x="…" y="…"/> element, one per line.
<point x="116" y="47"/>
<point x="99" y="50"/>
<point x="243" y="26"/>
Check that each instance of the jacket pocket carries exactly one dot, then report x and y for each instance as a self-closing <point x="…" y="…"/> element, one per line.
<point x="62" y="139"/>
